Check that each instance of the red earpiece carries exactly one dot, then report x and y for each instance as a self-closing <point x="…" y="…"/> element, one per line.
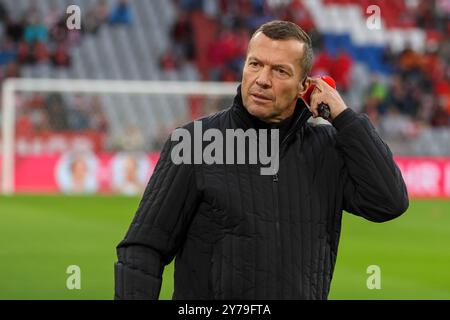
<point x="307" y="96"/>
<point x="323" y="109"/>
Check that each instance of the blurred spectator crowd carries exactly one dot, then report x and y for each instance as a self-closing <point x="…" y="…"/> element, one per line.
<point x="31" y="39"/>
<point x="410" y="95"/>
<point x="39" y="114"/>
<point x="413" y="94"/>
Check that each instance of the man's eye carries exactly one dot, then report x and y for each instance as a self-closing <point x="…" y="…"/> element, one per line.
<point x="253" y="64"/>
<point x="281" y="71"/>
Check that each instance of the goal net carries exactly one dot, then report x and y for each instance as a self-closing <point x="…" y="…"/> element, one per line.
<point x="94" y="136"/>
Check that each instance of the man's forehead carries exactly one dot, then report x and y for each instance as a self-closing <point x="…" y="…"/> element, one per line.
<point x="263" y="47"/>
<point x="276" y="55"/>
<point x="268" y="60"/>
<point x="261" y="39"/>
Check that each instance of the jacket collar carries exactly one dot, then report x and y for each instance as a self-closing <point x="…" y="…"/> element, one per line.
<point x="247" y="121"/>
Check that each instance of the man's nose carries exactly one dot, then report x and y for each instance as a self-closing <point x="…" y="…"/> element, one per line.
<point x="263" y="79"/>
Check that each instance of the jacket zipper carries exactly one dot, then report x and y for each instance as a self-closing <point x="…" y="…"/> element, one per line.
<point x="300" y="118"/>
<point x="279" y="266"/>
<point x="278" y="233"/>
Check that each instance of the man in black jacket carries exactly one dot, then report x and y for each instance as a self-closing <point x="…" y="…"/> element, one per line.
<point x="239" y="234"/>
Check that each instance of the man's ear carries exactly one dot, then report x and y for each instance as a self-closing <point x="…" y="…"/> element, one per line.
<point x="303" y="86"/>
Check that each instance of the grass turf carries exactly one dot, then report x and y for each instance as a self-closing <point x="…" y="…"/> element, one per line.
<point x="41" y="236"/>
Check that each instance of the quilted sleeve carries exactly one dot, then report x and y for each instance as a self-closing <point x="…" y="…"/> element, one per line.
<point x="374" y="187"/>
<point x="157" y="230"/>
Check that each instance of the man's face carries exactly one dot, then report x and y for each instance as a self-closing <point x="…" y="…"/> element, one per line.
<point x="272" y="77"/>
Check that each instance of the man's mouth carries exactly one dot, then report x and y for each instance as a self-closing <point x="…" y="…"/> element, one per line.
<point x="260" y="97"/>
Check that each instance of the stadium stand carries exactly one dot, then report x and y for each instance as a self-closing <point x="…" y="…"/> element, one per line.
<point x="398" y="75"/>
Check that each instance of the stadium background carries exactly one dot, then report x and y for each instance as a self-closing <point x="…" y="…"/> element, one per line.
<point x="82" y="160"/>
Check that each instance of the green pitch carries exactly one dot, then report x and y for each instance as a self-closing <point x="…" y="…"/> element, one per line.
<point x="40" y="236"/>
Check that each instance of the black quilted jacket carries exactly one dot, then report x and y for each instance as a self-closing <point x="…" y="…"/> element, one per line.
<point x="237" y="234"/>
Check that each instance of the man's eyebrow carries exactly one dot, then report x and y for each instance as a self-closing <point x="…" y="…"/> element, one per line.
<point x="285" y="66"/>
<point x="278" y="65"/>
<point x="253" y="58"/>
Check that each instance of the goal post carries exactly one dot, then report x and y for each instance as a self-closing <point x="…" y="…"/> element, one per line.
<point x="14" y="85"/>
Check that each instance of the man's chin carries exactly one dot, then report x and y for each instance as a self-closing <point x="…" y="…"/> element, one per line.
<point x="259" y="112"/>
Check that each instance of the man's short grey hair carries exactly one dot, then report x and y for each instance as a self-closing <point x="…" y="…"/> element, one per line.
<point x="285" y="30"/>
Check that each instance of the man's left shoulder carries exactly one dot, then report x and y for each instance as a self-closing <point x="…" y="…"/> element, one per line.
<point x="321" y="130"/>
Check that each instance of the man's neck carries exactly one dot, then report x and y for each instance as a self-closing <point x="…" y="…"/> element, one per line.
<point x="280" y="118"/>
